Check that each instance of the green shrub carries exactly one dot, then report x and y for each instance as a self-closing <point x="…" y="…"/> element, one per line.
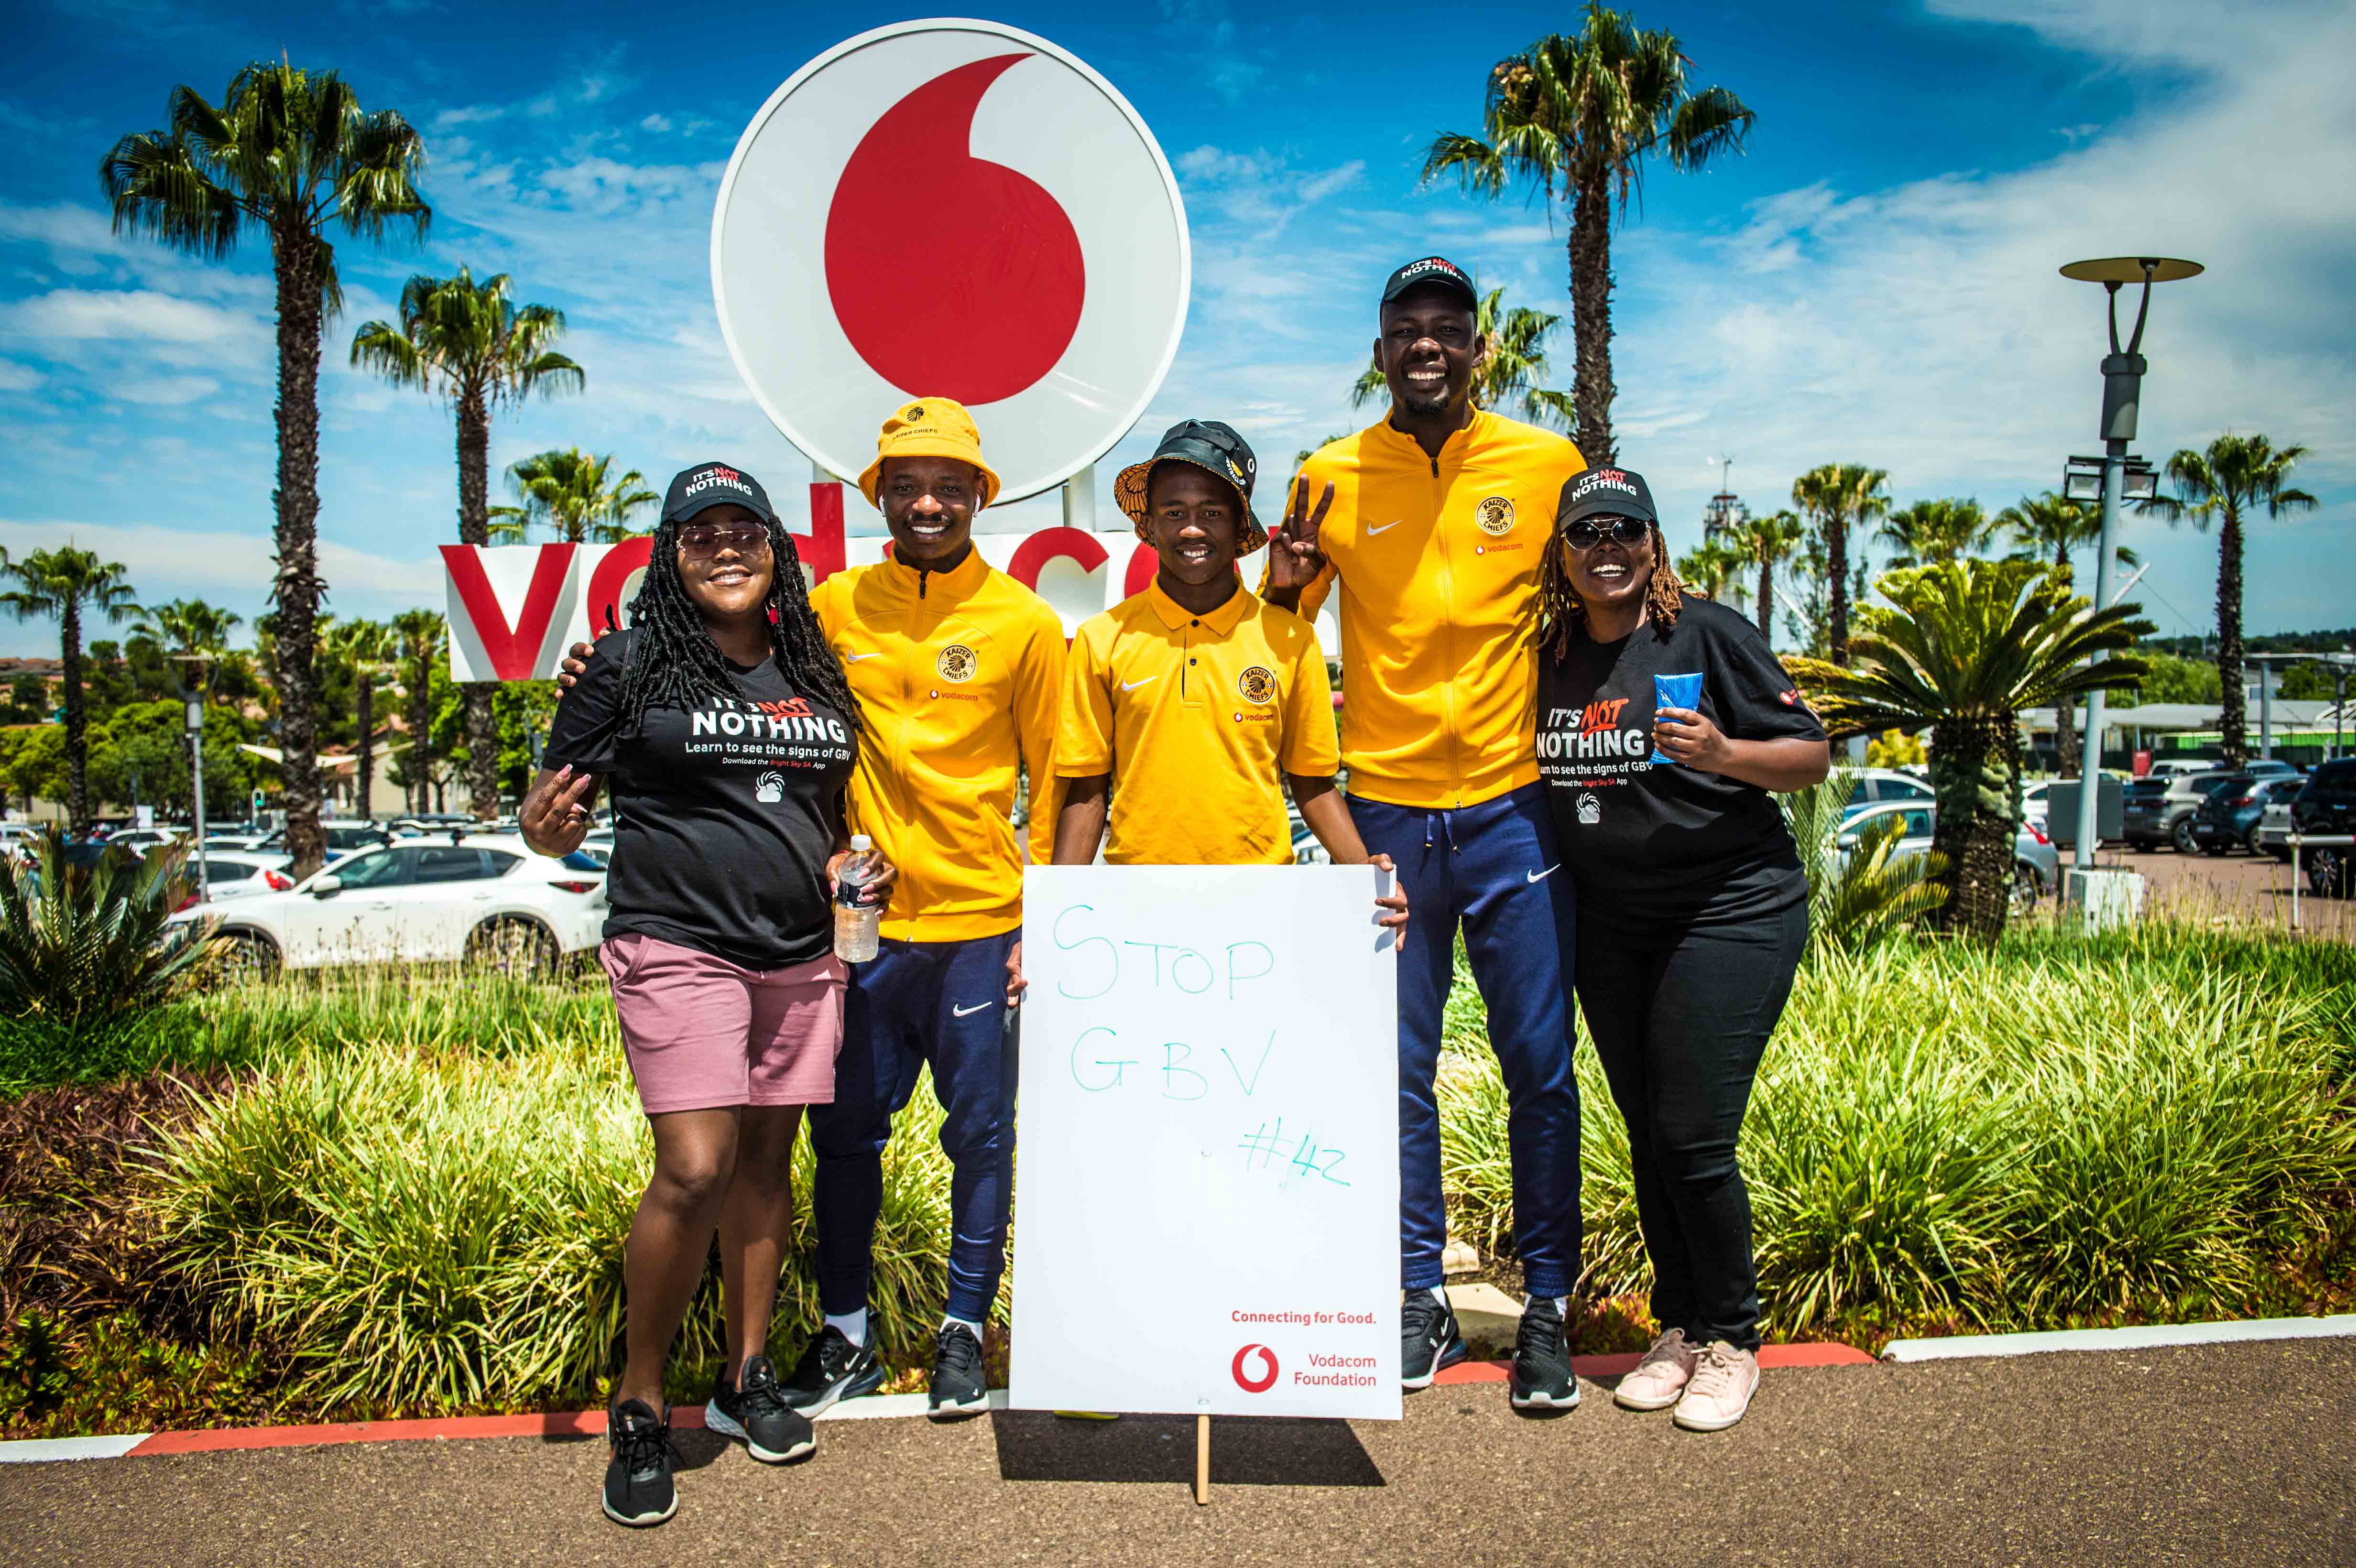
<point x="82" y="946"/>
<point x="2052" y="1131"/>
<point x="441" y="1229"/>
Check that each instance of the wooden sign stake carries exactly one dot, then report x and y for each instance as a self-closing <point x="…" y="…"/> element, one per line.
<point x="1202" y="1458"/>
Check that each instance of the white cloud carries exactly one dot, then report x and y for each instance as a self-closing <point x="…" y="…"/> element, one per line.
<point x="657" y="123"/>
<point x="15" y="377"/>
<point x="121" y="315"/>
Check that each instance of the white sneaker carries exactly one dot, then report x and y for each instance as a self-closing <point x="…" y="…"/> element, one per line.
<point x="1659" y="1375"/>
<point x="1719" y="1392"/>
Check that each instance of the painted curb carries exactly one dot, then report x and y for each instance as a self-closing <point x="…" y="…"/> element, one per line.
<point x="552" y="1426"/>
<point x="2146" y="1337"/>
<point x="1771" y="1356"/>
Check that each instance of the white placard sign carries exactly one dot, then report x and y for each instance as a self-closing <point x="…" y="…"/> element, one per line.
<point x="1207" y="1181"/>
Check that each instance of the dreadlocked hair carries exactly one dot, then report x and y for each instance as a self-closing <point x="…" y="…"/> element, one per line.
<point x="674" y="663"/>
<point x="1559" y="609"/>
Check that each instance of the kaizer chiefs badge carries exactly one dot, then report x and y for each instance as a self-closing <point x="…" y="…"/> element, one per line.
<point x="1255" y="685"/>
<point x="1495" y="515"/>
<point x="957" y="662"/>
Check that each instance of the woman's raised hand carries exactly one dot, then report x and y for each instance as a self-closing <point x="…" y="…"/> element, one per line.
<point x="554" y="816"/>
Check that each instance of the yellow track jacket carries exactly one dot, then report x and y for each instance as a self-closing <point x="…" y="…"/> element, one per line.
<point x="959" y="674"/>
<point x="1438" y="565"/>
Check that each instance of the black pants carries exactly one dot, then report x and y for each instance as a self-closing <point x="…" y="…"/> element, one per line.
<point x="1680" y="1019"/>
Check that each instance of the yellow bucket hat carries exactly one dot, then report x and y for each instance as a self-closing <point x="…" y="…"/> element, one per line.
<point x="929" y="427"/>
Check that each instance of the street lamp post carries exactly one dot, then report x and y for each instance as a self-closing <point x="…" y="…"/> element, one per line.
<point x="2122" y="371"/>
<point x="196" y="684"/>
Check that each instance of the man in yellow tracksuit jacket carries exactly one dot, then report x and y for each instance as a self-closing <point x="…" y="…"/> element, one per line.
<point x="1431" y="526"/>
<point x="958" y="670"/>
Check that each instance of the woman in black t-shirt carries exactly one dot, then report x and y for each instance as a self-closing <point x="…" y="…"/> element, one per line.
<point x="1664" y="724"/>
<point x="724" y="726"/>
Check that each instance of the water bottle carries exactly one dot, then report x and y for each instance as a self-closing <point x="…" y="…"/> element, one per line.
<point x="855" y="922"/>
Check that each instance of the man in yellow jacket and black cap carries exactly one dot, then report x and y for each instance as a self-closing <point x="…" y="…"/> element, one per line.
<point x="958" y="669"/>
<point x="1432" y="524"/>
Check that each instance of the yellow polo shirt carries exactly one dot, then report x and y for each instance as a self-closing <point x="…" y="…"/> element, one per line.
<point x="958" y="674"/>
<point x="1436" y="561"/>
<point x="1193" y="716"/>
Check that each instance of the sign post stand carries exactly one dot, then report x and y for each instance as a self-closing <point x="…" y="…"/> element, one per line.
<point x="1202" y="1458"/>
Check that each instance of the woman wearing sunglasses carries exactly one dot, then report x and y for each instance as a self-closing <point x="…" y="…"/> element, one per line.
<point x="1664" y="725"/>
<point x="722" y="719"/>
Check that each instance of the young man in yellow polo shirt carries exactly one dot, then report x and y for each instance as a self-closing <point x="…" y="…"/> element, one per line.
<point x="958" y="669"/>
<point x="1183" y="703"/>
<point x="1433" y="525"/>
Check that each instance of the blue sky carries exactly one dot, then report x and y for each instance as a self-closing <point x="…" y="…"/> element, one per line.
<point x="1873" y="281"/>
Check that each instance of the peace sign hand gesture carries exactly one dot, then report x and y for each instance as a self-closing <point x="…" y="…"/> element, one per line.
<point x="1294" y="554"/>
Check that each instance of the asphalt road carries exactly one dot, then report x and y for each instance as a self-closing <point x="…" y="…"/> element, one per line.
<point x="2239" y="1453"/>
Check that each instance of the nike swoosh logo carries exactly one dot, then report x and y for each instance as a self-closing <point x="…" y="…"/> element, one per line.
<point x="1542" y="876"/>
<point x="1386" y="527"/>
<point x="1133" y="685"/>
<point x="854" y="658"/>
<point x="961" y="1012"/>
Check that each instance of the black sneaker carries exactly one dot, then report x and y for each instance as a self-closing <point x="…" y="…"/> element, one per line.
<point x="638" y="1490"/>
<point x="831" y="1368"/>
<point x="1428" y="1340"/>
<point x="1542" y="1377"/>
<point x="961" y="1388"/>
<point x="757" y="1411"/>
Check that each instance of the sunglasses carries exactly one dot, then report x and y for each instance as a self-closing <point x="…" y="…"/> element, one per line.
<point x="1584" y="535"/>
<point x="744" y="538"/>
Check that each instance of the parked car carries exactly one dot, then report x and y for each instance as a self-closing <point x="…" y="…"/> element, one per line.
<point x="2272" y="836"/>
<point x="2325" y="806"/>
<point x="2229" y="818"/>
<point x="2182" y="767"/>
<point x="2272" y="768"/>
<point x="1874" y="787"/>
<point x="2036" y="864"/>
<point x="2159" y="811"/>
<point x="489" y="898"/>
<point x="238" y="874"/>
<point x="343" y="837"/>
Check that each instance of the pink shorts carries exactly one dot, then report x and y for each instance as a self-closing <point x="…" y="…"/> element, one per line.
<point x="702" y="1033"/>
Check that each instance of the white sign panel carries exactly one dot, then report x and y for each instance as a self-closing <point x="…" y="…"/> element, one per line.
<point x="1209" y="1143"/>
<point x="960" y="209"/>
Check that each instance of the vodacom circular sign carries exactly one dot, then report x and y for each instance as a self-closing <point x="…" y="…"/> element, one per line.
<point x="951" y="208"/>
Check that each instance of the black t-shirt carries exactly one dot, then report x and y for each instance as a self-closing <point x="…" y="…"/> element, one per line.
<point x="723" y="818"/>
<point x="1655" y="844"/>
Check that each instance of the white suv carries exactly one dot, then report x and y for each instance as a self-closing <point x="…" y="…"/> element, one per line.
<point x="487" y="898"/>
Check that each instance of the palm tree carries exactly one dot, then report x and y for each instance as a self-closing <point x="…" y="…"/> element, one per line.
<point x="189" y="629"/>
<point x="470" y="343"/>
<point x="1837" y="496"/>
<point x="2237" y="475"/>
<point x="1512" y="366"/>
<point x="65" y="582"/>
<point x="1712" y="569"/>
<point x="1576" y="117"/>
<point x="1764" y="542"/>
<point x="289" y="154"/>
<point x="1968" y="644"/>
<point x="425" y="641"/>
<point x="369" y="648"/>
<point x="2056" y="525"/>
<point x="1930" y="532"/>
<point x="577" y="496"/>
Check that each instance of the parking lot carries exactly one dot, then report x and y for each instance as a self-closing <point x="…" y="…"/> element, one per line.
<point x="2240" y="887"/>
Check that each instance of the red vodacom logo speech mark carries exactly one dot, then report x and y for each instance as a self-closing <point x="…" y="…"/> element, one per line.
<point x="951" y="276"/>
<point x="1261" y="1384"/>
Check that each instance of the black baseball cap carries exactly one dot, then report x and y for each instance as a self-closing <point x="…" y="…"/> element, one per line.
<point x="1606" y="492"/>
<point x="1437" y="270"/>
<point x="1207" y="445"/>
<point x="709" y="485"/>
